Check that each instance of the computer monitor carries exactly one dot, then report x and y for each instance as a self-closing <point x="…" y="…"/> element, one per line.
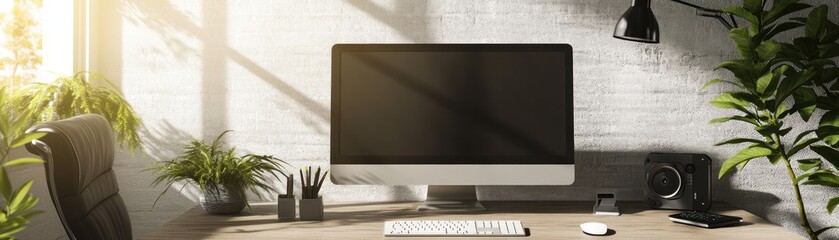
<point x="452" y="115"/>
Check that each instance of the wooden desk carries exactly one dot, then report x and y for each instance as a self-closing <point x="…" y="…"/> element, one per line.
<point x="546" y="220"/>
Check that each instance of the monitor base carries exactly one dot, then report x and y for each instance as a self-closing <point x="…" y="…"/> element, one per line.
<point x="451" y="198"/>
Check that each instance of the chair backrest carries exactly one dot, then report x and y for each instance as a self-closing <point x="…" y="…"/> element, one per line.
<point x="79" y="152"/>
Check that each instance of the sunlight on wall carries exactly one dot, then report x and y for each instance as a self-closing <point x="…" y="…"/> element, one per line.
<point x="58" y="35"/>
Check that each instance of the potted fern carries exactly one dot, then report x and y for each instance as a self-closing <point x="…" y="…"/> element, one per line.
<point x="18" y="204"/>
<point x="776" y="80"/>
<point x="75" y="95"/>
<point x="223" y="176"/>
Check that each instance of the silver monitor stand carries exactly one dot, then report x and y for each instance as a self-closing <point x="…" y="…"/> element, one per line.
<point x="451" y="198"/>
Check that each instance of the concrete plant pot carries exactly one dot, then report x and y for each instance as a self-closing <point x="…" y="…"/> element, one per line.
<point x="286" y="208"/>
<point x="311" y="209"/>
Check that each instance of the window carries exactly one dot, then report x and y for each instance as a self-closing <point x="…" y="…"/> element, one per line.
<point x="21" y="41"/>
<point x="43" y="39"/>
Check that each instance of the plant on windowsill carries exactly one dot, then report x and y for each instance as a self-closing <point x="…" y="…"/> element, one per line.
<point x="771" y="74"/>
<point x="224" y="177"/>
<point x="17" y="203"/>
<point x="75" y="95"/>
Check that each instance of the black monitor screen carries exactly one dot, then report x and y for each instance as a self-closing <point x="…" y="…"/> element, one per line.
<point x="452" y="104"/>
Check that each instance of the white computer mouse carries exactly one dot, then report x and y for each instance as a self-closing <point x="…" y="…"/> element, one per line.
<point x="594" y="228"/>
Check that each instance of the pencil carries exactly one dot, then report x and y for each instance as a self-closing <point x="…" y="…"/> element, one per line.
<point x="289" y="187"/>
<point x="302" y="184"/>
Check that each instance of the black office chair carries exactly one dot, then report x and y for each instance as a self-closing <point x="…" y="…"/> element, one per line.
<point x="79" y="154"/>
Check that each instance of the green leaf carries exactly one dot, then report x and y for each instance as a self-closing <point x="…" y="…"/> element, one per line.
<point x="22" y="161"/>
<point x="782" y="111"/>
<point x="763" y="83"/>
<point x="809" y="47"/>
<point x="26" y="138"/>
<point x="5" y="185"/>
<point x="827" y="75"/>
<point x="781" y="8"/>
<point x="815" y="22"/>
<point x="772" y="85"/>
<point x="736" y="118"/>
<point x="793" y="82"/>
<point x="741" y="69"/>
<point x="742" y="41"/>
<point x="801" y="177"/>
<point x="830" y="118"/>
<point x="20" y="194"/>
<point x="805" y="102"/>
<point x="828" y="153"/>
<point x="810" y="163"/>
<point x="802" y="135"/>
<point x="783" y="132"/>
<point x="802" y="145"/>
<point x="829" y="134"/>
<point x="774" y="158"/>
<point x="790" y="53"/>
<point x="746" y="154"/>
<point x="730" y="100"/>
<point x="819" y="63"/>
<point x="715" y="81"/>
<point x="827" y="103"/>
<point x="828" y="129"/>
<point x="780" y="28"/>
<point x="767" y="49"/>
<point x="826" y="52"/>
<point x="739" y="140"/>
<point x="744" y="99"/>
<point x="827" y="179"/>
<point x="767" y="130"/>
<point x="753" y="6"/>
<point x="832" y="33"/>
<point x="831" y="204"/>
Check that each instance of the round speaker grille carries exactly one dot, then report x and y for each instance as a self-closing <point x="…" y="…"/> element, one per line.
<point x="664" y="181"/>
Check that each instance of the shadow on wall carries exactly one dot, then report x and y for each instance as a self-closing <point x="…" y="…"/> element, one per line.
<point x="622" y="172"/>
<point x="167" y="21"/>
<point x="161" y="143"/>
<point x="416" y="28"/>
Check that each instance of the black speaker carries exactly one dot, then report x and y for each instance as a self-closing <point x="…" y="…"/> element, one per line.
<point x="678" y="181"/>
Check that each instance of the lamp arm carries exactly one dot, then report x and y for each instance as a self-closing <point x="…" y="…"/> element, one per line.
<point x="712" y="13"/>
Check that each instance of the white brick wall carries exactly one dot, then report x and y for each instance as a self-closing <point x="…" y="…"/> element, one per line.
<point x="193" y="68"/>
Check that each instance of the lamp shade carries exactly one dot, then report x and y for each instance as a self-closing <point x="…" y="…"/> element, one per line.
<point x="638" y="23"/>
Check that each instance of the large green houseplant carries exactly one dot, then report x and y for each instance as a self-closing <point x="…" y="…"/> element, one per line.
<point x="75" y="95"/>
<point x="775" y="80"/>
<point x="223" y="176"/>
<point x="18" y="203"/>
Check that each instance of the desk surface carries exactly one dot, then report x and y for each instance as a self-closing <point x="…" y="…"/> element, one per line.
<point x="546" y="220"/>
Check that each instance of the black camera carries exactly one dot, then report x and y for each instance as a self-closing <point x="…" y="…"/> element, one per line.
<point x="678" y="181"/>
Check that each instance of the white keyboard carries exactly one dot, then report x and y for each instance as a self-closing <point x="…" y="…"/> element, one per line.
<point x="454" y="229"/>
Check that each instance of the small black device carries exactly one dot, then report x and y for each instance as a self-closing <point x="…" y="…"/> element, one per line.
<point x="705" y="219"/>
<point x="678" y="181"/>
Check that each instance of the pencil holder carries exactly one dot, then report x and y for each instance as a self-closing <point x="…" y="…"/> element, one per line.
<point x="311" y="209"/>
<point x="286" y="209"/>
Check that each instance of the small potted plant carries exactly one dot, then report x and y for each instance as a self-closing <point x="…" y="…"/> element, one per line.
<point x="223" y="177"/>
<point x="311" y="203"/>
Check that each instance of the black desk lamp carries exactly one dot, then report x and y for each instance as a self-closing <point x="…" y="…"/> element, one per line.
<point x="638" y="22"/>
